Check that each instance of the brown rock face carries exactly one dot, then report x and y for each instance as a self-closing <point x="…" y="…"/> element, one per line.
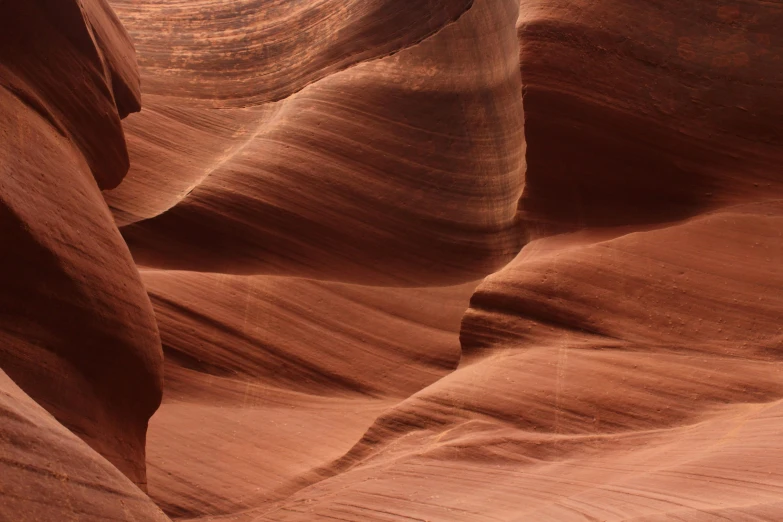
<point x="647" y="112"/>
<point x="441" y="260"/>
<point x="248" y="52"/>
<point x="72" y="64"/>
<point x="404" y="168"/>
<point x="77" y="331"/>
<point x="626" y="365"/>
<point x="282" y="375"/>
<point x="48" y="474"/>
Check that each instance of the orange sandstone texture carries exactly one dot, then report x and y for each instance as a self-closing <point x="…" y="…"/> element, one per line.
<point x="626" y="378"/>
<point x="77" y="331"/>
<point x="623" y="367"/>
<point x="270" y="377"/>
<point x="393" y="278"/>
<point x="48" y="474"/>
<point x="627" y="364"/>
<point x="404" y="168"/>
<point x="646" y="112"/>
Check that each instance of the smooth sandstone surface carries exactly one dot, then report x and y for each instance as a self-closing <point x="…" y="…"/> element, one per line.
<point x="403" y="169"/>
<point x="49" y="475"/>
<point x="496" y="260"/>
<point x="634" y="378"/>
<point x="283" y="375"/>
<point x="626" y="365"/>
<point x="646" y="112"/>
<point x="77" y="330"/>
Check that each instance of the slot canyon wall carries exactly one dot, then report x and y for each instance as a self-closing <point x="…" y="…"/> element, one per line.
<point x="453" y="260"/>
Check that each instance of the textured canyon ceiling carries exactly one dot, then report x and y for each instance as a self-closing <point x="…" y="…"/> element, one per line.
<point x="373" y="260"/>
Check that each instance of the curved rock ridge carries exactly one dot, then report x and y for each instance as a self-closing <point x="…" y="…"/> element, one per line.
<point x="73" y="64"/>
<point x="326" y="207"/>
<point x="402" y="170"/>
<point x="48" y="474"/>
<point x="626" y="365"/>
<point x="185" y="141"/>
<point x="269" y="377"/>
<point x="248" y="52"/>
<point x="118" y="54"/>
<point x="633" y="378"/>
<point x="646" y="112"/>
<point x="77" y="331"/>
<point x="689" y="307"/>
<point x="307" y="336"/>
<point x="705" y="472"/>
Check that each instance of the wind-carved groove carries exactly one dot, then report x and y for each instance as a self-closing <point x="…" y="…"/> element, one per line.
<point x="311" y="175"/>
<point x="265" y="124"/>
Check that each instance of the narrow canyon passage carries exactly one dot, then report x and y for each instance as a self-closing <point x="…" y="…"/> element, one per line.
<point x="366" y="260"/>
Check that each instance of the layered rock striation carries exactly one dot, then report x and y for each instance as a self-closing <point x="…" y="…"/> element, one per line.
<point x="453" y="260"/>
<point x="77" y="330"/>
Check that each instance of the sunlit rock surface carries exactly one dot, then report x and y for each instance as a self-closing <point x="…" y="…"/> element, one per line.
<point x="442" y="261"/>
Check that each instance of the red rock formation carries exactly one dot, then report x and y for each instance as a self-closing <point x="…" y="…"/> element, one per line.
<point x="77" y="331"/>
<point x="328" y="176"/>
<point x="72" y="64"/>
<point x="404" y="169"/>
<point x="243" y="53"/>
<point x="269" y="377"/>
<point x="647" y="112"/>
<point x="307" y="336"/>
<point x="48" y="474"/>
<point x="624" y="366"/>
<point x="627" y="378"/>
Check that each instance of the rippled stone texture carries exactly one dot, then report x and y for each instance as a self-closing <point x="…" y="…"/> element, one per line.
<point x="77" y="331"/>
<point x="282" y="375"/>
<point x="626" y="365"/>
<point x="49" y="474"/>
<point x="393" y="277"/>
<point x="645" y="112"/>
<point x="404" y="169"/>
